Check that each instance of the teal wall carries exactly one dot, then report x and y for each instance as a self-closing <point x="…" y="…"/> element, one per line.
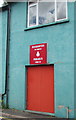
<point x="3" y="39"/>
<point x="0" y="53"/>
<point x="75" y="58"/>
<point x="4" y="42"/>
<point x="18" y="57"/>
<point x="60" y="39"/>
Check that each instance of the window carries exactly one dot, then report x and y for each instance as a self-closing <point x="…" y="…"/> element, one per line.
<point x="41" y="12"/>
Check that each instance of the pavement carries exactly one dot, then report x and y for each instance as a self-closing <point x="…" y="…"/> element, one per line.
<point x="12" y="114"/>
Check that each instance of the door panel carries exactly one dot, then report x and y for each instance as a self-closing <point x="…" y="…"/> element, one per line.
<point x="40" y="88"/>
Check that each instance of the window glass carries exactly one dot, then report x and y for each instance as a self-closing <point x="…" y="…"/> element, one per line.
<point x="41" y="12"/>
<point x="46" y="12"/>
<point x="32" y="15"/>
<point x="61" y="10"/>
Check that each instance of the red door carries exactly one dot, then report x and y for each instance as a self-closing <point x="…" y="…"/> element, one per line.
<point x="40" y="88"/>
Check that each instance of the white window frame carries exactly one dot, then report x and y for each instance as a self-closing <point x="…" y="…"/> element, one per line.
<point x="56" y="12"/>
<point x="36" y="4"/>
<point x="32" y="5"/>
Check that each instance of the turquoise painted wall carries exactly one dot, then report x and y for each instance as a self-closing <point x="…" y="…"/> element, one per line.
<point x="18" y="58"/>
<point x="75" y="58"/>
<point x="3" y="39"/>
<point x="0" y="53"/>
<point x="4" y="42"/>
<point x="60" y="39"/>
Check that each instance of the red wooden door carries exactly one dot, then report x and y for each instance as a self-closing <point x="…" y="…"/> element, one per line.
<point x="40" y="88"/>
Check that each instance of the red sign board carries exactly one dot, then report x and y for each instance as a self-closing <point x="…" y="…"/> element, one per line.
<point x="38" y="53"/>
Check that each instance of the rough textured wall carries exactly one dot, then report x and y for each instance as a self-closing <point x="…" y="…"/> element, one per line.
<point x="18" y="57"/>
<point x="75" y="58"/>
<point x="60" y="39"/>
<point x="0" y="55"/>
<point x="0" y="52"/>
<point x="4" y="41"/>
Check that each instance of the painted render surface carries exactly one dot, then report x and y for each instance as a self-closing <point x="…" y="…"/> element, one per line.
<point x="60" y="52"/>
<point x="0" y="52"/>
<point x="3" y="40"/>
<point x="75" y="58"/>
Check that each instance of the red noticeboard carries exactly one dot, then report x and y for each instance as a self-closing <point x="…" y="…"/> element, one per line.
<point x="38" y="53"/>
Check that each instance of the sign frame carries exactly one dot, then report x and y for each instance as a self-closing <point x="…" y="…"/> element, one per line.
<point x="38" y="53"/>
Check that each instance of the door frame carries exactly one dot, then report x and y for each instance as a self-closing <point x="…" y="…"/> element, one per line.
<point x="45" y="113"/>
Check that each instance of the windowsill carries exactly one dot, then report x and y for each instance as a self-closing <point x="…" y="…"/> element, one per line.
<point x="45" y="25"/>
